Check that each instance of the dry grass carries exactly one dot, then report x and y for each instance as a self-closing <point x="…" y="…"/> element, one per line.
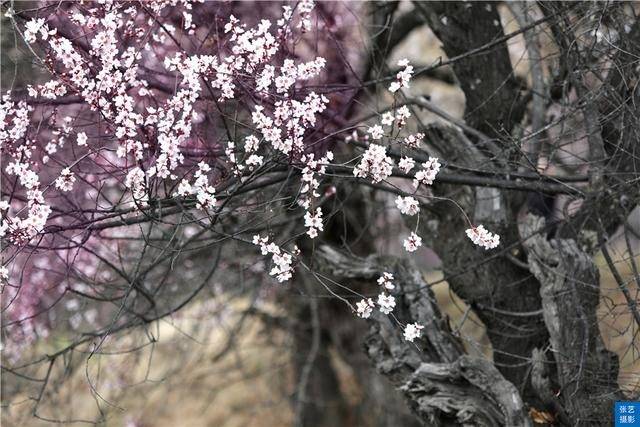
<point x="618" y="329"/>
<point x="176" y="382"/>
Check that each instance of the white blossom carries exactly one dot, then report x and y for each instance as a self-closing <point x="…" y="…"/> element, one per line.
<point x="428" y="172"/>
<point x="412" y="243"/>
<point x="386" y="281"/>
<point x="51" y="148"/>
<point x="365" y="308"/>
<point x="386" y="303"/>
<point x="81" y="139"/>
<point x="387" y="118"/>
<point x="313" y="223"/>
<point x="482" y="237"/>
<point x="403" y="76"/>
<point x="374" y="164"/>
<point x="412" y="331"/>
<point x="406" y="164"/>
<point x="66" y="180"/>
<point x="376" y="131"/>
<point x="407" y="205"/>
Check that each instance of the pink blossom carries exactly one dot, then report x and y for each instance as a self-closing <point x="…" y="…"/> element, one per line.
<point x="482" y="237"/>
<point x="365" y="308"/>
<point x="66" y="180"/>
<point x="386" y="303"/>
<point x="386" y="281"/>
<point x="428" y="172"/>
<point x="375" y="164"/>
<point x="407" y="205"/>
<point x="412" y="331"/>
<point x="412" y="243"/>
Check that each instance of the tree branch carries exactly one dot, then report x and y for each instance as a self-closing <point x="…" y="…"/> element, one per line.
<point x="441" y="383"/>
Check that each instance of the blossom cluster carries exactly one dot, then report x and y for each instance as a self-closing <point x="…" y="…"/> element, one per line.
<point x="375" y="164"/>
<point x="386" y="281"/>
<point x="403" y="77"/>
<point x="311" y="173"/>
<point x="365" y="307"/>
<point x="35" y="26"/>
<point x="26" y="222"/>
<point x="428" y="172"/>
<point x="413" y="140"/>
<point x="66" y="180"/>
<point x="313" y="222"/>
<point x="482" y="237"/>
<point x="141" y="123"/>
<point x="282" y="268"/>
<point x="291" y="119"/>
<point x="108" y="82"/>
<point x="386" y="303"/>
<point x="136" y="182"/>
<point x="412" y="243"/>
<point x="406" y="164"/>
<point x="407" y="205"/>
<point x="205" y="193"/>
<point x="252" y="160"/>
<point x="412" y="331"/>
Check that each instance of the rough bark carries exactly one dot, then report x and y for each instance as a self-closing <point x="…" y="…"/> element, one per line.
<point x="487" y="79"/>
<point x="585" y="373"/>
<point x="492" y="285"/>
<point x="442" y="385"/>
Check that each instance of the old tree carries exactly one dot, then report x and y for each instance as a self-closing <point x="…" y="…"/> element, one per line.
<point x="288" y="163"/>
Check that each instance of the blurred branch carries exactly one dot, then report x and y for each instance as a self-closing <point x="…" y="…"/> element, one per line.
<point x="520" y="10"/>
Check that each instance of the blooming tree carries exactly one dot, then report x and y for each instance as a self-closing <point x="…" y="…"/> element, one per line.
<point x="132" y="146"/>
<point x="169" y="142"/>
